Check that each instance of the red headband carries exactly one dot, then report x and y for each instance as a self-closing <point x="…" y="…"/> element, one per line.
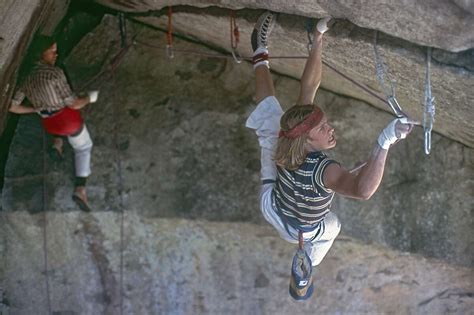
<point x="303" y="127"/>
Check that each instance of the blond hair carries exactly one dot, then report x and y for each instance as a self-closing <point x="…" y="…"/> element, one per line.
<point x="291" y="153"/>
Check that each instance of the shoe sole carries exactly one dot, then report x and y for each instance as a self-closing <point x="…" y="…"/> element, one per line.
<point x="259" y="24"/>
<point x="262" y="18"/>
<point x="82" y="205"/>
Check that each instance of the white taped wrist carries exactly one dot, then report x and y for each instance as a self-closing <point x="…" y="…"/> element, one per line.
<point x="384" y="141"/>
<point x="389" y="134"/>
<point x="93" y="96"/>
<point x="322" y="25"/>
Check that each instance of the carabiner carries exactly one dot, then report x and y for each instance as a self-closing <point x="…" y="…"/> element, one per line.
<point x="427" y="141"/>
<point x="392" y="101"/>
<point x="236" y="55"/>
<point x="169" y="51"/>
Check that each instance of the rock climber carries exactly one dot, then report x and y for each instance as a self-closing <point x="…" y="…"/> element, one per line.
<point x="50" y="95"/>
<point x="298" y="179"/>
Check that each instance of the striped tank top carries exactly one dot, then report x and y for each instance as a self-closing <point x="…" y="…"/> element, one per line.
<point x="300" y="195"/>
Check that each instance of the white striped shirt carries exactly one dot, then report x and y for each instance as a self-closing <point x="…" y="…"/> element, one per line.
<point x="301" y="195"/>
<point x="46" y="88"/>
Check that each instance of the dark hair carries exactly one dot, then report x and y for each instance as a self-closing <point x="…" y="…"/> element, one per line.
<point x="37" y="47"/>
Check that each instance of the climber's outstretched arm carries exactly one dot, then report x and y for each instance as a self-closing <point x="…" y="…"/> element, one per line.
<point x="312" y="72"/>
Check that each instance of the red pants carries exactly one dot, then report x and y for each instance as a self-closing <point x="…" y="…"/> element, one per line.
<point x="66" y="122"/>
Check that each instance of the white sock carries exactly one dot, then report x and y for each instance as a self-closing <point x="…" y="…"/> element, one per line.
<point x="262" y="63"/>
<point x="260" y="50"/>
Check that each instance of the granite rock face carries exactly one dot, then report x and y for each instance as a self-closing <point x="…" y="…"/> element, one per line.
<point x="350" y="50"/>
<point x="407" y="28"/>
<point x="19" y="20"/>
<point x="172" y="266"/>
<point x="172" y="154"/>
<point x="190" y="113"/>
<point x="442" y="24"/>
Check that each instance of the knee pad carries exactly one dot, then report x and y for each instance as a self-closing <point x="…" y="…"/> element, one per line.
<point x="81" y="142"/>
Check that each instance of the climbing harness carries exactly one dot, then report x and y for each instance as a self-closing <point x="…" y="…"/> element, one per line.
<point x="234" y="38"/>
<point x="387" y="87"/>
<point x="169" y="35"/>
<point x="429" y="106"/>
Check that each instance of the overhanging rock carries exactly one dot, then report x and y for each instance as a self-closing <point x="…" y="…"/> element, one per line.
<point x="442" y="24"/>
<point x="349" y="48"/>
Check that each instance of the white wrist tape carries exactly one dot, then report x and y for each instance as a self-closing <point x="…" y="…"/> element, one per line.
<point x="322" y="25"/>
<point x="93" y="96"/>
<point x="389" y="135"/>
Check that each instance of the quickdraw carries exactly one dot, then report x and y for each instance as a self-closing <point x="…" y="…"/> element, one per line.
<point x="429" y="107"/>
<point x="309" y="26"/>
<point x="388" y="88"/>
<point x="234" y="38"/>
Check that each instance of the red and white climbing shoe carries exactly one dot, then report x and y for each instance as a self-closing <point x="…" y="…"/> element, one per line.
<point x="262" y="30"/>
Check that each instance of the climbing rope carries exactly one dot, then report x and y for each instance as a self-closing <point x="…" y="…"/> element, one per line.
<point x="300" y="240"/>
<point x="101" y="77"/>
<point x="234" y="38"/>
<point x="123" y="29"/>
<point x="120" y="176"/>
<point x="169" y="35"/>
<point x="223" y="56"/>
<point x="387" y="87"/>
<point x="235" y="34"/>
<point x="309" y="26"/>
<point x="429" y="106"/>
<point x="45" y="223"/>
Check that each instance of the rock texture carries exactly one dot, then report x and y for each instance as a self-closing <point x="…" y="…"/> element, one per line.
<point x="198" y="267"/>
<point x="407" y="28"/>
<point x="177" y="129"/>
<point x="442" y="24"/>
<point x="350" y="49"/>
<point x="171" y="152"/>
<point x="19" y="20"/>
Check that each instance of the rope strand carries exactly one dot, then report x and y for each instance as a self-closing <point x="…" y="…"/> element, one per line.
<point x="223" y="56"/>
<point x="169" y="34"/>
<point x="234" y="38"/>
<point x="45" y="223"/>
<point x="429" y="110"/>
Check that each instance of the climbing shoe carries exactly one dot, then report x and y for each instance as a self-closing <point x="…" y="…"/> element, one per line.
<point x="262" y="30"/>
<point x="82" y="204"/>
<point x="55" y="155"/>
<point x="301" y="280"/>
